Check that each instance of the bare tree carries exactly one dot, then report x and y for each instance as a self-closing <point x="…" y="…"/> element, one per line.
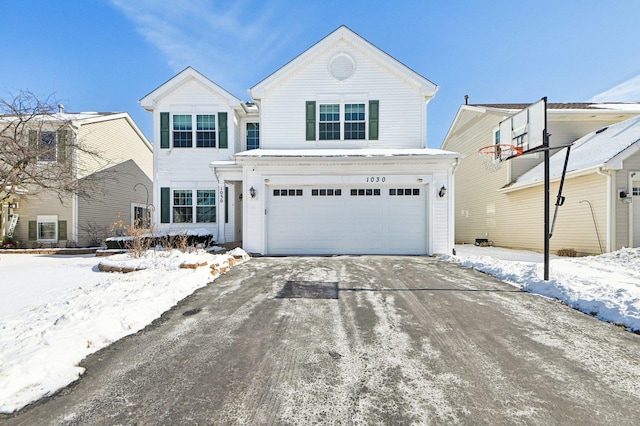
<point x="39" y="150"/>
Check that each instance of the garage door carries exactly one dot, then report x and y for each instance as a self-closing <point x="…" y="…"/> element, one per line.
<point x="347" y="220"/>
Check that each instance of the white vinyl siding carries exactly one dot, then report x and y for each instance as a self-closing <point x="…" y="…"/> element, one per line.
<point x="402" y="117"/>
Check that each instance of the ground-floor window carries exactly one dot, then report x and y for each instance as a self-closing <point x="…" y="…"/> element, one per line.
<point x="141" y="216"/>
<point x="206" y="206"/>
<point x="185" y="210"/>
<point x="47" y="228"/>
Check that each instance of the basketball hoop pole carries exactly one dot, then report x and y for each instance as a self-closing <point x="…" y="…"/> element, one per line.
<point x="547" y="191"/>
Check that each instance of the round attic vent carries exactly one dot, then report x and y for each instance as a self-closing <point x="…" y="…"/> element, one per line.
<point x="341" y="67"/>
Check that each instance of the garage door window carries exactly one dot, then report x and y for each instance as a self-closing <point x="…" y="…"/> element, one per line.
<point x="288" y="192"/>
<point x="365" y="192"/>
<point x="326" y="192"/>
<point x="404" y="191"/>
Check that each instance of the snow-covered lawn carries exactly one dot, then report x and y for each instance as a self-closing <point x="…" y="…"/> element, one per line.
<point x="606" y="286"/>
<point x="56" y="310"/>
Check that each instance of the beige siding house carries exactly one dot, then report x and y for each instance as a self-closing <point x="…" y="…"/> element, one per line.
<point x="506" y="207"/>
<point x="124" y="167"/>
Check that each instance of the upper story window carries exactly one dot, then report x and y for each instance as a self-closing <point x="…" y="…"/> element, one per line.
<point x="329" y="123"/>
<point x="179" y="131"/>
<point x="47" y="144"/>
<point x="354" y="124"/>
<point x="182" y="131"/>
<point x="206" y="131"/>
<point x="253" y="136"/>
<point x="349" y="121"/>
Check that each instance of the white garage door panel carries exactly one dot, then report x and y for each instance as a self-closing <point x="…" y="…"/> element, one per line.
<point x="377" y="223"/>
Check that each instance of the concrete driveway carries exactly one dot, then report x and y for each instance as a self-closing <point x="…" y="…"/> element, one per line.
<point x="358" y="340"/>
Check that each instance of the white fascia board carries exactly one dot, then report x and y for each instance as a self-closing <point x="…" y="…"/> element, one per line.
<point x="116" y="116"/>
<point x="428" y="89"/>
<point x="616" y="163"/>
<point x="458" y="117"/>
<point x="150" y="100"/>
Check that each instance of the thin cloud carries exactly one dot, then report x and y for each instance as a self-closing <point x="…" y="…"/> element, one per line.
<point x="629" y="91"/>
<point x="223" y="41"/>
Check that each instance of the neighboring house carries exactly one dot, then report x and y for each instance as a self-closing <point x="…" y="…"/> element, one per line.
<point x="506" y="207"/>
<point x="36" y="217"/>
<point x="329" y="157"/>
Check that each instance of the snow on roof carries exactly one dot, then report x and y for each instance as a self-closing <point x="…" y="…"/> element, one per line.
<point x="593" y="150"/>
<point x="617" y="106"/>
<point x="323" y="153"/>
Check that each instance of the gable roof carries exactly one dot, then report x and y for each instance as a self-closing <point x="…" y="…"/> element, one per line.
<point x="428" y="88"/>
<point x="148" y="101"/>
<point x="553" y="109"/>
<point x="607" y="148"/>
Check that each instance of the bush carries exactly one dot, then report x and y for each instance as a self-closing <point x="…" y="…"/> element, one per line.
<point x="8" y="243"/>
<point x="567" y="252"/>
<point x="137" y="240"/>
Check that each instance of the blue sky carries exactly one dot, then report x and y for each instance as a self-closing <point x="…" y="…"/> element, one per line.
<point x="104" y="55"/>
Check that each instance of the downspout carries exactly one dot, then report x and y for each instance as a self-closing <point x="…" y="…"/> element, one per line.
<point x="610" y="208"/>
<point x="75" y="229"/>
<point x="452" y="206"/>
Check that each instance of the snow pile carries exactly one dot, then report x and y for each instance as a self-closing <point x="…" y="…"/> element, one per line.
<point x="72" y="310"/>
<point x="605" y="286"/>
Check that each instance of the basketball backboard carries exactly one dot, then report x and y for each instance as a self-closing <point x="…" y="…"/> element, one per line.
<point x="526" y="128"/>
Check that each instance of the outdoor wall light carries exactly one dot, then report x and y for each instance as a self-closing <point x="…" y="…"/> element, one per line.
<point x="442" y="192"/>
<point x="252" y="192"/>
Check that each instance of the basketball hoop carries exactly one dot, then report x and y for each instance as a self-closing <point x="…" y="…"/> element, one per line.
<point x="493" y="155"/>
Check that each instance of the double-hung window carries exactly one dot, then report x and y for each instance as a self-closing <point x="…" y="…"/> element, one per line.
<point x="182" y="206"/>
<point x="47" y="146"/>
<point x="189" y="205"/>
<point x="206" y="131"/>
<point x="182" y="131"/>
<point x="329" y="124"/>
<point x="206" y="206"/>
<point x="342" y="121"/>
<point x="354" y="123"/>
<point x="47" y="228"/>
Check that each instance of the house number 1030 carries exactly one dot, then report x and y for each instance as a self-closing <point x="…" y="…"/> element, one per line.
<point x="376" y="179"/>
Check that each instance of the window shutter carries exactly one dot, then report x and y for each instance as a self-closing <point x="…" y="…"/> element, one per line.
<point x="311" y="120"/>
<point x="33" y="145"/>
<point x="165" y="205"/>
<point x="223" y="133"/>
<point x="33" y="230"/>
<point x="63" y="146"/>
<point x="164" y="130"/>
<point x="374" y="109"/>
<point x="62" y="230"/>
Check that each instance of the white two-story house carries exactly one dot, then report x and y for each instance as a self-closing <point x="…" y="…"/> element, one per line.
<point x="329" y="157"/>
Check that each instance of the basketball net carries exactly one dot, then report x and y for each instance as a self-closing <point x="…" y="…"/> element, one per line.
<point x="492" y="156"/>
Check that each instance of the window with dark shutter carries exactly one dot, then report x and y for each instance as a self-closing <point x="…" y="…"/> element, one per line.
<point x="223" y="132"/>
<point x="165" y="205"/>
<point x="374" y="110"/>
<point x="311" y="120"/>
<point x="164" y="130"/>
